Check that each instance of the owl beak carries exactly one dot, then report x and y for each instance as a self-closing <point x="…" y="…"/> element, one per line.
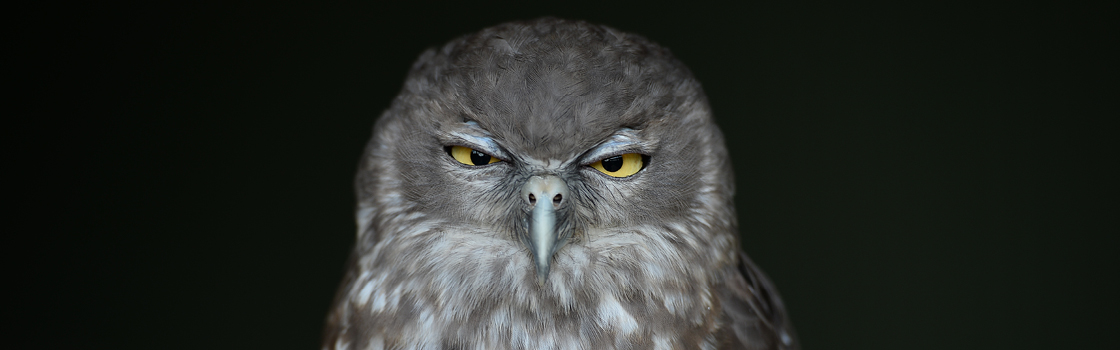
<point x="544" y="194"/>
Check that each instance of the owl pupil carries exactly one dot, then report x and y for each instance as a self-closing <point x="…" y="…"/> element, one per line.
<point x="612" y="164"/>
<point x="479" y="158"/>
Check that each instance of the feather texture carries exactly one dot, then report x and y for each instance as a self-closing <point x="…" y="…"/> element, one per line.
<point x="649" y="261"/>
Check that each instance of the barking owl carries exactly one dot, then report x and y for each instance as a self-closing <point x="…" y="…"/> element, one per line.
<point x="550" y="184"/>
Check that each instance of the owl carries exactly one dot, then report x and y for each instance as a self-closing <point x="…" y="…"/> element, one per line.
<point x="550" y="184"/>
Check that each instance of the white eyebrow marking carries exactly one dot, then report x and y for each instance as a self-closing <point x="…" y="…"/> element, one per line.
<point x="479" y="138"/>
<point x="624" y="139"/>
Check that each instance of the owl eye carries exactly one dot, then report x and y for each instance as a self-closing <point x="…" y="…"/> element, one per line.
<point x="621" y="165"/>
<point x="469" y="156"/>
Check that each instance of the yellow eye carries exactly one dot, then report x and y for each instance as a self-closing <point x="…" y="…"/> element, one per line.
<point x="469" y="156"/>
<point x="621" y="165"/>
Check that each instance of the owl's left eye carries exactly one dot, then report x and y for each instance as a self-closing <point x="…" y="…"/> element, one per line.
<point x="470" y="156"/>
<point x="622" y="165"/>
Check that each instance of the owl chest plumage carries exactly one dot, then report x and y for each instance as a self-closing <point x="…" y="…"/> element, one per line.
<point x="444" y="287"/>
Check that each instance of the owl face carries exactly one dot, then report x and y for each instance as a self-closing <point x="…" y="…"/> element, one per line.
<point x="615" y="143"/>
<point x="549" y="184"/>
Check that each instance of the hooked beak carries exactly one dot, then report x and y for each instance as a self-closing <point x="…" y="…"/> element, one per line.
<point x="544" y="195"/>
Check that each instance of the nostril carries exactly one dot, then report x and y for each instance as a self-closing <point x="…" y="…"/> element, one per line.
<point x="532" y="199"/>
<point x="556" y="200"/>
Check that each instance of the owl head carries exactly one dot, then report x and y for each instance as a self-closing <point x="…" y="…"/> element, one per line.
<point x="547" y="133"/>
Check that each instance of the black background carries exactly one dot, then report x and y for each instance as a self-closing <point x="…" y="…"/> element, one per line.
<point x="911" y="176"/>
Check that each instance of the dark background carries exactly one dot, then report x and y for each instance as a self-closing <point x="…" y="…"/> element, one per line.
<point x="911" y="176"/>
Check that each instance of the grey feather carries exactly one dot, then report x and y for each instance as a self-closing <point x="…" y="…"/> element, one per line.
<point x="648" y="261"/>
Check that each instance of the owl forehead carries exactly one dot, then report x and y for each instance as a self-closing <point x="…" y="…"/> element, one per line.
<point x="545" y="129"/>
<point x="553" y="89"/>
<point x="554" y="105"/>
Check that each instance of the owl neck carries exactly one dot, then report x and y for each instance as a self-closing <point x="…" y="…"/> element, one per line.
<point x="645" y="280"/>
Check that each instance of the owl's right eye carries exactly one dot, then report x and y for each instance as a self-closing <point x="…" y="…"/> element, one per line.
<point x="470" y="156"/>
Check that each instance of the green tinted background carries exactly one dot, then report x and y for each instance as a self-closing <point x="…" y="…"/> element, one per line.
<point x="911" y="176"/>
